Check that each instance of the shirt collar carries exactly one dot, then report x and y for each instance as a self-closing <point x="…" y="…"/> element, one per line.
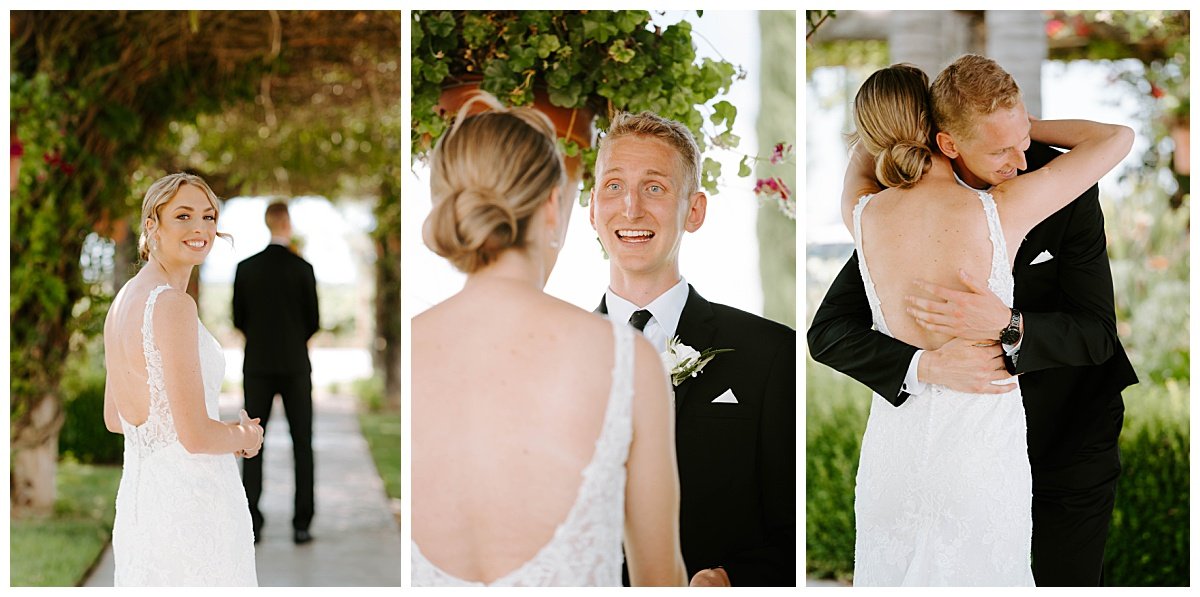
<point x="960" y="181"/>
<point x="666" y="309"/>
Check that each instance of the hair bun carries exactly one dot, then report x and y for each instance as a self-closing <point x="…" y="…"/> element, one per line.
<point x="471" y="227"/>
<point x="902" y="164"/>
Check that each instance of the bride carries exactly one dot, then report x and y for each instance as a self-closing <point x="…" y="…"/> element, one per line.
<point x="182" y="518"/>
<point x="943" y="491"/>
<point x="542" y="434"/>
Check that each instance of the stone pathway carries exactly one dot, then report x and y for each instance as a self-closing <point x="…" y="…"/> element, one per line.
<point x="356" y="539"/>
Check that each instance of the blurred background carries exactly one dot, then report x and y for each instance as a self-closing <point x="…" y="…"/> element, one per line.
<point x="1127" y="67"/>
<point x="302" y="106"/>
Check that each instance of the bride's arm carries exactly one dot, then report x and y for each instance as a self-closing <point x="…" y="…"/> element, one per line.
<point x="111" y="420"/>
<point x="1031" y="198"/>
<point x="176" y="334"/>
<point x="860" y="180"/>
<point x="652" y="491"/>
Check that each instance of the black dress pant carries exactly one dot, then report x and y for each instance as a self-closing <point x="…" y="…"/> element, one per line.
<point x="296" y="391"/>
<point x="1073" y="506"/>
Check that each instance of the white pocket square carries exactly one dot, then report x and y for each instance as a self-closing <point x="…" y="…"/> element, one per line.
<point x="1042" y="257"/>
<point x="726" y="398"/>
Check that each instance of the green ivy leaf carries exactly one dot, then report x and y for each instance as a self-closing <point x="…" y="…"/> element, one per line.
<point x="744" y="167"/>
<point x="617" y="51"/>
<point x="723" y="112"/>
<point x="547" y="44"/>
<point x="441" y="24"/>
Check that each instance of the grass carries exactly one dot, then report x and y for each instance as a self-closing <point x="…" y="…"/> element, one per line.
<point x="59" y="550"/>
<point x="382" y="430"/>
<point x="1149" y="541"/>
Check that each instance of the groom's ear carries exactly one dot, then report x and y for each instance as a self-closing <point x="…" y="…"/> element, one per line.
<point x="946" y="144"/>
<point x="697" y="208"/>
<point x="592" y="207"/>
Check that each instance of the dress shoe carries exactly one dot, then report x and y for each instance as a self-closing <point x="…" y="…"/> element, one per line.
<point x="301" y="537"/>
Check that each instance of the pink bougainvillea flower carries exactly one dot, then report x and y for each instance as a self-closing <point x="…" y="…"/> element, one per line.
<point x="781" y="152"/>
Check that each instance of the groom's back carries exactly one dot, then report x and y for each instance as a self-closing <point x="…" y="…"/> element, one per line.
<point x="509" y="396"/>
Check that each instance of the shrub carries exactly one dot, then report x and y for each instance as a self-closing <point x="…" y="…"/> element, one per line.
<point x="84" y="436"/>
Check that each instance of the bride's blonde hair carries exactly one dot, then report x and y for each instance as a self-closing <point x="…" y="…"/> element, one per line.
<point x="489" y="174"/>
<point x="892" y="119"/>
<point x="160" y="193"/>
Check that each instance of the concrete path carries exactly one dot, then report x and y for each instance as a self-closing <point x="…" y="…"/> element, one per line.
<point x="356" y="540"/>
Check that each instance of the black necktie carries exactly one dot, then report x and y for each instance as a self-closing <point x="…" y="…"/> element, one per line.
<point x="639" y="319"/>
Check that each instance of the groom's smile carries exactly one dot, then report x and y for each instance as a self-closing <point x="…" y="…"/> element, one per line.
<point x="635" y="235"/>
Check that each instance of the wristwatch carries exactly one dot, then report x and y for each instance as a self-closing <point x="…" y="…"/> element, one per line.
<point x="1012" y="334"/>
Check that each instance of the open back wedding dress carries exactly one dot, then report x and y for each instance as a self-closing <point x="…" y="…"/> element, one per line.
<point x="586" y="547"/>
<point x="943" y="491"/>
<point x="182" y="518"/>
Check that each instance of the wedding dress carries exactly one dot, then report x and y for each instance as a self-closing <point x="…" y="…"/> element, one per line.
<point x="943" y="491"/>
<point x="182" y="518"/>
<point x="586" y="547"/>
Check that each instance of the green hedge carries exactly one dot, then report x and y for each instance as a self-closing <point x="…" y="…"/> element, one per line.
<point x="83" y="436"/>
<point x="1149" y="541"/>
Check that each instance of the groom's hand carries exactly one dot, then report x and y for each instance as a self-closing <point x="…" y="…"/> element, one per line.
<point x="711" y="577"/>
<point x="976" y="314"/>
<point x="964" y="366"/>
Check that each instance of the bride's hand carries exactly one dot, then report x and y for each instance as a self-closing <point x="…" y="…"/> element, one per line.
<point x="255" y="433"/>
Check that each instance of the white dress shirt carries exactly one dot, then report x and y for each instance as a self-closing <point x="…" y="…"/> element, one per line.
<point x="665" y="311"/>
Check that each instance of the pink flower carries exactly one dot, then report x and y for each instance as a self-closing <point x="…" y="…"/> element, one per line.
<point x="781" y="152"/>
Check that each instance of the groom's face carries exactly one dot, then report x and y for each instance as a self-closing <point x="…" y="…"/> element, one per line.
<point x="642" y="204"/>
<point x="995" y="151"/>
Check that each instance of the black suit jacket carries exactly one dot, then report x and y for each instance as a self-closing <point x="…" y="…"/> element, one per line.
<point x="1071" y="362"/>
<point x="275" y="306"/>
<point x="737" y="462"/>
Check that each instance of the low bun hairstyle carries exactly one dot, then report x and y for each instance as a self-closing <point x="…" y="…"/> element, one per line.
<point x="892" y="118"/>
<point x="489" y="174"/>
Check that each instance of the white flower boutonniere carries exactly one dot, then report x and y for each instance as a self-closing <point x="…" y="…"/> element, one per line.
<point x="682" y="361"/>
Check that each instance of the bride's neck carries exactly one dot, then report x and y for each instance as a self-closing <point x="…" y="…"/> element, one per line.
<point x="514" y="266"/>
<point x="177" y="276"/>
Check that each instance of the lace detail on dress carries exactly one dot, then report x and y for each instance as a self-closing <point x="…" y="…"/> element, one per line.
<point x="181" y="518"/>
<point x="586" y="547"/>
<point x="159" y="428"/>
<point x="868" y="284"/>
<point x="943" y="490"/>
<point x="1000" y="281"/>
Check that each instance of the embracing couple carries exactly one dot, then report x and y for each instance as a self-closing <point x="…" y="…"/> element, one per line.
<point x="979" y="308"/>
<point x="547" y="446"/>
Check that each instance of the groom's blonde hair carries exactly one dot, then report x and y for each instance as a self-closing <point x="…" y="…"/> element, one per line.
<point x="488" y="175"/>
<point x="675" y="134"/>
<point x="971" y="87"/>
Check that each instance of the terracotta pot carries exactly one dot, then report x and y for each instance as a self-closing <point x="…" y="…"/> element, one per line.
<point x="574" y="124"/>
<point x="1181" y="134"/>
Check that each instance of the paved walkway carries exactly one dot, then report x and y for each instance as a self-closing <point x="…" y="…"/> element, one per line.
<point x="356" y="540"/>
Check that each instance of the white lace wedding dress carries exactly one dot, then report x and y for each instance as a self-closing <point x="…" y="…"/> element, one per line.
<point x="943" y="492"/>
<point x="182" y="518"/>
<point x="586" y="547"/>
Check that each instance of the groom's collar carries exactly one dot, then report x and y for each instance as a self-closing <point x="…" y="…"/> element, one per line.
<point x="666" y="308"/>
<point x="960" y="181"/>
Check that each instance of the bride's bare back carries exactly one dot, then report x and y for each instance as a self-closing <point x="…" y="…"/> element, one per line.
<point x="125" y="361"/>
<point x="509" y="388"/>
<point x="927" y="232"/>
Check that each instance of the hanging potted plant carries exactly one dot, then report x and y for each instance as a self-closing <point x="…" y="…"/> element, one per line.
<point x="578" y="66"/>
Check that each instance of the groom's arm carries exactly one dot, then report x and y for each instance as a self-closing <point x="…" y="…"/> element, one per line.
<point x="841" y="337"/>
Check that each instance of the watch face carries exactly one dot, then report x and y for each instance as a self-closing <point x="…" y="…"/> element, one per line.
<point x="1009" y="336"/>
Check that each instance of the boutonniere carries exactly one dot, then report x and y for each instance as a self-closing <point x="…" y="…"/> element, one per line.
<point x="682" y="361"/>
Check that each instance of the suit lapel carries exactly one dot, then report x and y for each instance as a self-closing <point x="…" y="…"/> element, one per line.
<point x="695" y="329"/>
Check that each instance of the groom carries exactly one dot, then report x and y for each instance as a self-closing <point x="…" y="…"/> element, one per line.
<point x="1060" y="337"/>
<point x="735" y="428"/>
<point x="275" y="306"/>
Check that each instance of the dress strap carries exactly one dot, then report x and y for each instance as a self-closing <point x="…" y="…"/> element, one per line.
<point x="159" y="428"/>
<point x="1000" y="275"/>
